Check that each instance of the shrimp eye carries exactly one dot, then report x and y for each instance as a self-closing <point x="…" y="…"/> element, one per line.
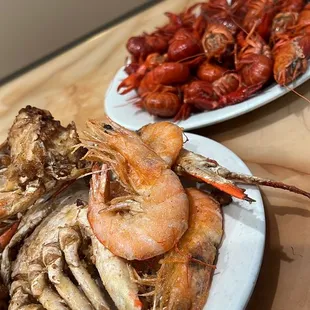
<point x="80" y="202"/>
<point x="107" y="127"/>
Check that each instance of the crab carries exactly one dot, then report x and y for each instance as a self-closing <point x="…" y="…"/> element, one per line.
<point x="36" y="161"/>
<point x="60" y="263"/>
<point x="54" y="268"/>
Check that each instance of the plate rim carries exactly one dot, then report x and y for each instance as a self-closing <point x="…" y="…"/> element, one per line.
<point x="245" y="107"/>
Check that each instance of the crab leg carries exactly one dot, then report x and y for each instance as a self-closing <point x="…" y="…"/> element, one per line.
<point x="42" y="290"/>
<point x="113" y="271"/>
<point x="70" y="241"/>
<point x="21" y="300"/>
<point x="32" y="307"/>
<point x="249" y="179"/>
<point x="210" y="172"/>
<point x="32" y="219"/>
<point x="12" y="203"/>
<point x="53" y="261"/>
<point x="7" y="235"/>
<point x="112" y="274"/>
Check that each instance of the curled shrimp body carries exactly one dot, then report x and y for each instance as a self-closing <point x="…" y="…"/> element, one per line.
<point x="164" y="138"/>
<point x="153" y="216"/>
<point x="184" y="279"/>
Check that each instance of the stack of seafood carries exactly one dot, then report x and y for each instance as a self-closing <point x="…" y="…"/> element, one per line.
<point x="132" y="238"/>
<point x="214" y="54"/>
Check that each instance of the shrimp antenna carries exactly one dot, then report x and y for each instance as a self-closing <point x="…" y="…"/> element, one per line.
<point x="237" y="24"/>
<point x="190" y="57"/>
<point x="90" y="173"/>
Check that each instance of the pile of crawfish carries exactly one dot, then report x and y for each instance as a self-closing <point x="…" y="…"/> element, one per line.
<point x="214" y="54"/>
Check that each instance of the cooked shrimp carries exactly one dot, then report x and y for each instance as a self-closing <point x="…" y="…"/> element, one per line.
<point x="164" y="138"/>
<point x="185" y="276"/>
<point x="151" y="219"/>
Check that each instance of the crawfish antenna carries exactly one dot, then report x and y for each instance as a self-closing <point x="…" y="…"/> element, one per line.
<point x="297" y="93"/>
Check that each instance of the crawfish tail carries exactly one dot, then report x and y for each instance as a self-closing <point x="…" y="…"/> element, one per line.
<point x="239" y="95"/>
<point x="248" y="179"/>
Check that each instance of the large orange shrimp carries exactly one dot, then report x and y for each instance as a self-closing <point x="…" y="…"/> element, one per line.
<point x="153" y="216"/>
<point x="184" y="279"/>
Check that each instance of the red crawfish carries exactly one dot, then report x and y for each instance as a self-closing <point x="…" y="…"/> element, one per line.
<point x="202" y="95"/>
<point x="186" y="42"/>
<point x="219" y="35"/>
<point x="292" y="52"/>
<point x="285" y="19"/>
<point x="159" y="89"/>
<point x="210" y="72"/>
<point x="137" y="72"/>
<point x="260" y="14"/>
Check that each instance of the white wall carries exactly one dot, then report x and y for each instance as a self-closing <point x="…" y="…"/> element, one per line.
<point x="31" y="29"/>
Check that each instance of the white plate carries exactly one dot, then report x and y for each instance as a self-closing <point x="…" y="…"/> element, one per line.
<point x="120" y="110"/>
<point x="241" y="252"/>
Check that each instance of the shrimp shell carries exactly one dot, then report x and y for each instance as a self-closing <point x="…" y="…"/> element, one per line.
<point x="149" y="221"/>
<point x="186" y="273"/>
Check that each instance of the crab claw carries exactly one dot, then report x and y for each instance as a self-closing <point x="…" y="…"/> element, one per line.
<point x="208" y="171"/>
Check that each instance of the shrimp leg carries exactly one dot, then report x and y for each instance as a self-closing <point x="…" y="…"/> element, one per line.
<point x="153" y="214"/>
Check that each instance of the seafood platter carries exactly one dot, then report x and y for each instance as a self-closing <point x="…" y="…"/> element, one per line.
<point x="212" y="62"/>
<point x="117" y="219"/>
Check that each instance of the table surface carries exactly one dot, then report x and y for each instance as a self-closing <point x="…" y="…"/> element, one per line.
<point x="273" y="141"/>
